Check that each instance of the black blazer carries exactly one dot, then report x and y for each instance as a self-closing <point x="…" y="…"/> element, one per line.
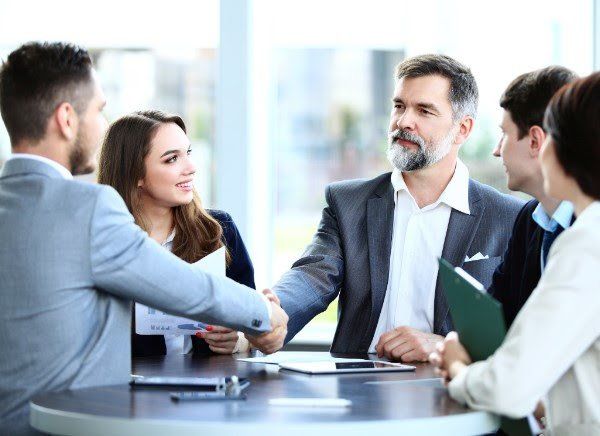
<point x="240" y="269"/>
<point x="519" y="273"/>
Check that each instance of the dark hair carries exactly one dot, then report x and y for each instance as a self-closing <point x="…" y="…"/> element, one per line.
<point x="573" y="120"/>
<point x="126" y="145"/>
<point x="528" y="95"/>
<point x="35" y="79"/>
<point x="463" y="94"/>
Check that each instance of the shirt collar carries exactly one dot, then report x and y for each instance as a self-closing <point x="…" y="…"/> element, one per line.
<point x="65" y="173"/>
<point x="562" y="215"/>
<point x="456" y="194"/>
<point x="169" y="239"/>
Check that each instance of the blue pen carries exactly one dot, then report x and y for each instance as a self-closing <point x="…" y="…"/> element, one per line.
<point x="200" y="326"/>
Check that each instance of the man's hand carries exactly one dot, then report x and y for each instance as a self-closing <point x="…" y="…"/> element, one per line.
<point x="272" y="341"/>
<point x="406" y="344"/>
<point x="450" y="357"/>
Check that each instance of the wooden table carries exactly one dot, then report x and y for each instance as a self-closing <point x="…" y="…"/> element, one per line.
<point x="393" y="403"/>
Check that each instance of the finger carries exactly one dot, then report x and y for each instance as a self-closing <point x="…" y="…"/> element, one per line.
<point x="414" y="355"/>
<point x="434" y="359"/>
<point x="221" y="350"/>
<point x="394" y="345"/>
<point x="221" y="343"/>
<point x="439" y="346"/>
<point x="220" y="337"/>
<point x="220" y="329"/>
<point x="452" y="336"/>
<point x="383" y="340"/>
<point x="223" y="337"/>
<point x="271" y="296"/>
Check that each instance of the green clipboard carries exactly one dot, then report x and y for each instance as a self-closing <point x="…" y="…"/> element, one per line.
<point x="477" y="317"/>
<point x="479" y="321"/>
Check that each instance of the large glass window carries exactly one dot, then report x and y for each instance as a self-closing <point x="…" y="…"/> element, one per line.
<point x="334" y="81"/>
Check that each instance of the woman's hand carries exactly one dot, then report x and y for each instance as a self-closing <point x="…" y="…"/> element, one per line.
<point x="220" y="339"/>
<point x="450" y="357"/>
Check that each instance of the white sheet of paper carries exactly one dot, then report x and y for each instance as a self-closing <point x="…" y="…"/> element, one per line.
<point x="297" y="356"/>
<point x="150" y="321"/>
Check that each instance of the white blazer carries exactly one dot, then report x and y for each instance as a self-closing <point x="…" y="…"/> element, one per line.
<point x="552" y="350"/>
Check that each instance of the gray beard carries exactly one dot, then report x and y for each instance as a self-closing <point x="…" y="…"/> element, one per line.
<point x="426" y="155"/>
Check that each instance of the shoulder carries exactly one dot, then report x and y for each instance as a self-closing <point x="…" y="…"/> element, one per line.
<point x="221" y="216"/>
<point x="583" y="236"/>
<point x="230" y="230"/>
<point x="493" y="197"/>
<point x="359" y="187"/>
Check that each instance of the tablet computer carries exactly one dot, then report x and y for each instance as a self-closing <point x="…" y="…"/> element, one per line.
<point x="345" y="367"/>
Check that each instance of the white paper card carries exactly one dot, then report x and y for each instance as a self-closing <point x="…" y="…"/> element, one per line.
<point x="150" y="321"/>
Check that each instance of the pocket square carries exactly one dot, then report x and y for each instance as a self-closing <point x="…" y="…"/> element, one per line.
<point x="477" y="256"/>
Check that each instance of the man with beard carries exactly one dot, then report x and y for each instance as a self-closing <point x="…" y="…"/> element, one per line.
<point x="71" y="258"/>
<point x="379" y="240"/>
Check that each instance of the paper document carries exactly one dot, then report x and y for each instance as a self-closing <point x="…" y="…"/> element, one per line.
<point x="297" y="356"/>
<point x="150" y="321"/>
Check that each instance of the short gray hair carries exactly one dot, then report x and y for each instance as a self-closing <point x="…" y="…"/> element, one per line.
<point x="463" y="94"/>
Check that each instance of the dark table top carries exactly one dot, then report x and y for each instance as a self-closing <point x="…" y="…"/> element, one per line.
<point x="413" y="401"/>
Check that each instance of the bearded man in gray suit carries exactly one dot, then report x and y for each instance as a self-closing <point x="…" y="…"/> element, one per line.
<point x="378" y="241"/>
<point x="71" y="257"/>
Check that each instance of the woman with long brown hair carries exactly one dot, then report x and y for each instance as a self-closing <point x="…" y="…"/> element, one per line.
<point x="146" y="158"/>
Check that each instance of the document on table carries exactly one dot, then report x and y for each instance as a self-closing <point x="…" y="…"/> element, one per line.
<point x="297" y="356"/>
<point x="150" y="321"/>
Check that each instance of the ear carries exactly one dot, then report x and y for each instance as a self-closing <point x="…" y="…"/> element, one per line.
<point x="537" y="136"/>
<point x="464" y="130"/>
<point x="140" y="183"/>
<point x="66" y="120"/>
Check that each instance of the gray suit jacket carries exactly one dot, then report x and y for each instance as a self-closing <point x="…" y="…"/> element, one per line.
<point x="350" y="256"/>
<point x="71" y="261"/>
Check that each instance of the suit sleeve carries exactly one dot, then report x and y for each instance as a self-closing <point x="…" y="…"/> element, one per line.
<point x="315" y="279"/>
<point x="130" y="265"/>
<point x="502" y="278"/>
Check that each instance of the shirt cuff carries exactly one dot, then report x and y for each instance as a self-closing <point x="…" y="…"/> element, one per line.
<point x="268" y="303"/>
<point x="458" y="386"/>
<point x="242" y="345"/>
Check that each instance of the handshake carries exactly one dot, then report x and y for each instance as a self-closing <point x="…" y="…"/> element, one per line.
<point x="272" y="341"/>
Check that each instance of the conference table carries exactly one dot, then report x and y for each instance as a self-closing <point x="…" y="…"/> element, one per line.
<point x="394" y="403"/>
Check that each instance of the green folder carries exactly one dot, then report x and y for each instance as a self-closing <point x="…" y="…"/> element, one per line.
<point x="479" y="321"/>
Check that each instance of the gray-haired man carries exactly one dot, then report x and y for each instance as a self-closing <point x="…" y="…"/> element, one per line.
<point x="378" y="241"/>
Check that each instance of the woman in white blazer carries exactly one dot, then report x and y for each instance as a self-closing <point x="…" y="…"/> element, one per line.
<point x="552" y="350"/>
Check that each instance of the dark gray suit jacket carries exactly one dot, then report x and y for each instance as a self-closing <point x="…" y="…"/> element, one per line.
<point x="350" y="256"/>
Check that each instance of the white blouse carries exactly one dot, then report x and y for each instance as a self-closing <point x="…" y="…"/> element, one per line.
<point x="552" y="350"/>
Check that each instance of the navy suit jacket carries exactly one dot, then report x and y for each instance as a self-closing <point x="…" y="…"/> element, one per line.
<point x="240" y="269"/>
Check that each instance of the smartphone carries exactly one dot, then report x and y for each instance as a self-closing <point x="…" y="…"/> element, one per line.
<point x="196" y="383"/>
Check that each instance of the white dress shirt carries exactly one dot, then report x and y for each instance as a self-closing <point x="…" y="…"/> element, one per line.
<point x="417" y="242"/>
<point x="58" y="167"/>
<point x="553" y="346"/>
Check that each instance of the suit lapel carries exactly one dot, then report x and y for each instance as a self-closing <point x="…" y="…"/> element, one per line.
<point x="380" y="223"/>
<point x="459" y="236"/>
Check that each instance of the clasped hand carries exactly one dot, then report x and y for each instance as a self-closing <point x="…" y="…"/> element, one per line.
<point x="272" y="341"/>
